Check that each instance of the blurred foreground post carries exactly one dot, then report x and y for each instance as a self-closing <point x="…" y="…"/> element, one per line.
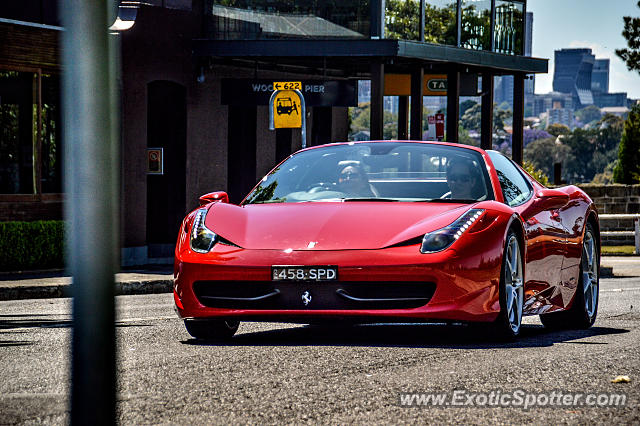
<point x="91" y="182"/>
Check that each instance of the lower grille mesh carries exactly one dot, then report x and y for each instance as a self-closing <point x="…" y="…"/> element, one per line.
<point x="277" y="295"/>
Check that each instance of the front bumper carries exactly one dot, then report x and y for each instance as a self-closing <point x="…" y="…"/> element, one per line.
<point x="396" y="284"/>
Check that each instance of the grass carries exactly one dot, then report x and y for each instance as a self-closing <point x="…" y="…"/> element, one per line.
<point x="627" y="250"/>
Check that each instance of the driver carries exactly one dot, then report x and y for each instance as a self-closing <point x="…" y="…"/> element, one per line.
<point x="353" y="181"/>
<point x="462" y="179"/>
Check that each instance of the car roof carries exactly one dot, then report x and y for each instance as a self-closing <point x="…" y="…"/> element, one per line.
<point x="456" y="145"/>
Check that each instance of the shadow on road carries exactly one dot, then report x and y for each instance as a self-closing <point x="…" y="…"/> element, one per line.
<point x="9" y="322"/>
<point x="408" y="335"/>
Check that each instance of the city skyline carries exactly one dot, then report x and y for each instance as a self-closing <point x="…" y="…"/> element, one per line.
<point x="583" y="24"/>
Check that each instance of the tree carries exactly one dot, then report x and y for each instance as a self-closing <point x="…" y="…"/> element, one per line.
<point x="627" y="169"/>
<point x="464" y="106"/>
<point x="360" y="119"/>
<point x="631" y="32"/>
<point x="543" y="153"/>
<point x="402" y="18"/>
<point x="589" y="114"/>
<point x="472" y="118"/>
<point x="557" y="129"/>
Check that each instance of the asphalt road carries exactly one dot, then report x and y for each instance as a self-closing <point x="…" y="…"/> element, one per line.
<point x="274" y="373"/>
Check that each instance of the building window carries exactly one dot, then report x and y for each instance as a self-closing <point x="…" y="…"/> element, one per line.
<point x="30" y="134"/>
<point x="402" y="21"/>
<point x="509" y="27"/>
<point x="267" y="19"/>
<point x="476" y="24"/>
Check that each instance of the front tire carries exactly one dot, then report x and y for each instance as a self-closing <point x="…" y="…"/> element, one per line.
<point x="511" y="292"/>
<point x="211" y="329"/>
<point x="584" y="309"/>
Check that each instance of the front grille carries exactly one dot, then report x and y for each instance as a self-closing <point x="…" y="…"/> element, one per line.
<point x="338" y="295"/>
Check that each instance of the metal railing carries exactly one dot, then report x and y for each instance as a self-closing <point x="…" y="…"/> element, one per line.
<point x="635" y="232"/>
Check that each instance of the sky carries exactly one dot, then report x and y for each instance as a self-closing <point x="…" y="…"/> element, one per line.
<point x="596" y="24"/>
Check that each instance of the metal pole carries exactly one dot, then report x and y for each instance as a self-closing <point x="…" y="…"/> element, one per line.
<point x="417" y="105"/>
<point x="303" y="111"/>
<point x="636" y="234"/>
<point x="421" y="21"/>
<point x="91" y="161"/>
<point x="486" y="117"/>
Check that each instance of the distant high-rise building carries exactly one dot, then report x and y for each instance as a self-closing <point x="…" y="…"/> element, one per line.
<point x="560" y="116"/>
<point x="573" y="69"/>
<point x="603" y="100"/>
<point x="600" y="76"/>
<point x="553" y="100"/>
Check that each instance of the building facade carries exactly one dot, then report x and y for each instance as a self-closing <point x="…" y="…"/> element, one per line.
<point x="195" y="81"/>
<point x="572" y="74"/>
<point x="600" y="76"/>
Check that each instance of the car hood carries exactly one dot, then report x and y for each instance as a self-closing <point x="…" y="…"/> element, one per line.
<point x="328" y="225"/>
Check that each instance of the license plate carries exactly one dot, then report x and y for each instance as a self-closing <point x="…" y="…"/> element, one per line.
<point x="304" y="273"/>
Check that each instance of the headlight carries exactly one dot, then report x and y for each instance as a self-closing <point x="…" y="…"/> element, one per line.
<point x="442" y="238"/>
<point x="202" y="238"/>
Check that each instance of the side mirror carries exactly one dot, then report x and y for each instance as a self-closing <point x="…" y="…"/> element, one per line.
<point x="214" y="197"/>
<point x="549" y="199"/>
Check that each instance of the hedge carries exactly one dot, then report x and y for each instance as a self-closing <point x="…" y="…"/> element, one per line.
<point x="31" y="245"/>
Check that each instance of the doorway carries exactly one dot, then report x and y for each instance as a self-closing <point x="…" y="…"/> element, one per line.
<point x="166" y="193"/>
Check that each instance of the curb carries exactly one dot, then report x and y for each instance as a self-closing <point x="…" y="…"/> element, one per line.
<point x="606" y="272"/>
<point x="21" y="292"/>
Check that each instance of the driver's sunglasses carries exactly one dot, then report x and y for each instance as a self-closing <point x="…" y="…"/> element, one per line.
<point x="460" y="178"/>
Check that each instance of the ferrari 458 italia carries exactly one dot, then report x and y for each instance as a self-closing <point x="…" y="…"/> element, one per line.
<point x="390" y="231"/>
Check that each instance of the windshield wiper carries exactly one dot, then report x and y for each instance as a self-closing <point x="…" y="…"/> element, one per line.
<point x="275" y="200"/>
<point x="447" y="200"/>
<point x="368" y="199"/>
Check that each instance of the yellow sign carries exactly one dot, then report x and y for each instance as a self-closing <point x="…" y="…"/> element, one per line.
<point x="400" y="85"/>
<point x="287" y="85"/>
<point x="287" y="110"/>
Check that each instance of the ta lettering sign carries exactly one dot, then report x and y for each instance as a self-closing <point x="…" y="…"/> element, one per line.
<point x="437" y="85"/>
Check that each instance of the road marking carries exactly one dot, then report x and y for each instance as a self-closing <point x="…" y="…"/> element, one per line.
<point x="619" y="290"/>
<point x="127" y="320"/>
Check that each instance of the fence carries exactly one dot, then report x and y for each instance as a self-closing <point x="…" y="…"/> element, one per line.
<point x="635" y="232"/>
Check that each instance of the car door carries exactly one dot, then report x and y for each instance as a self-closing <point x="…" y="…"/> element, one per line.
<point x="546" y="238"/>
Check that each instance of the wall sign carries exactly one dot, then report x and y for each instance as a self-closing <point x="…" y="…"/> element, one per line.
<point x="155" y="161"/>
<point x="243" y="92"/>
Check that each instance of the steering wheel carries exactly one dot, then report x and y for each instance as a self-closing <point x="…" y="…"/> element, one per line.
<point x="318" y="186"/>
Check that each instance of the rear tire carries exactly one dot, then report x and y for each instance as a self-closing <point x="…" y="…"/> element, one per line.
<point x="511" y="293"/>
<point x="211" y="329"/>
<point x="584" y="309"/>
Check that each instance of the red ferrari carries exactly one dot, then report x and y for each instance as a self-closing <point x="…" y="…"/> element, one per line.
<point x="390" y="231"/>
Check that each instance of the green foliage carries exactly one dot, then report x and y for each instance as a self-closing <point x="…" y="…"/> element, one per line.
<point x="465" y="139"/>
<point x="402" y="22"/>
<point x="543" y="153"/>
<point x="31" y="245"/>
<point x="631" y="33"/>
<point x="584" y="154"/>
<point x="360" y="118"/>
<point x="589" y="114"/>
<point x="537" y="174"/>
<point x="472" y="118"/>
<point x="464" y="106"/>
<point x="557" y="129"/>
<point x="627" y="169"/>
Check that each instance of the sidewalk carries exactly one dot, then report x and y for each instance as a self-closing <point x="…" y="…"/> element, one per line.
<point x="160" y="280"/>
<point x="57" y="284"/>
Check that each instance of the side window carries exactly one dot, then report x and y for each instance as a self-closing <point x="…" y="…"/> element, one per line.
<point x="515" y="188"/>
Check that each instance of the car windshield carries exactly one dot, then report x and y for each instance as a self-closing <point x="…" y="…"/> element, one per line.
<point x="377" y="171"/>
